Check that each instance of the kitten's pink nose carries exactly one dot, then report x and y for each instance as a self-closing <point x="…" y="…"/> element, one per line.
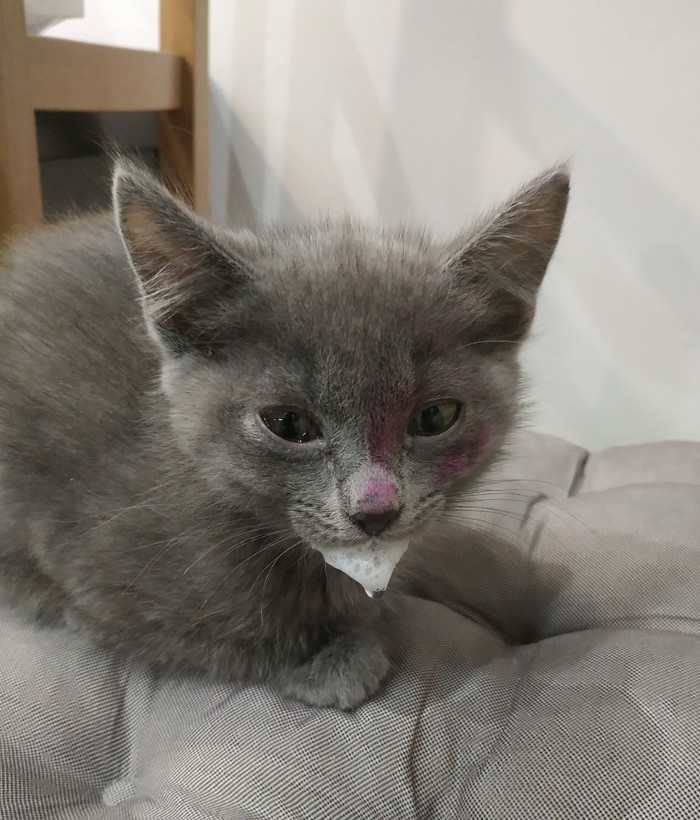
<point x="374" y="523"/>
<point x="377" y="507"/>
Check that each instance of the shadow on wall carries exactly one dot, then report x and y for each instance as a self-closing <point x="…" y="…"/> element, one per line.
<point x="237" y="202"/>
<point x="246" y="173"/>
<point x="328" y="89"/>
<point x="347" y="107"/>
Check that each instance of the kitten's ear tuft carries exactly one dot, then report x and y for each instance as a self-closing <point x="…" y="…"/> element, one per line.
<point x="183" y="270"/>
<point x="502" y="262"/>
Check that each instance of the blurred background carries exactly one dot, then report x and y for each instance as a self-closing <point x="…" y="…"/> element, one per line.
<point x="432" y="111"/>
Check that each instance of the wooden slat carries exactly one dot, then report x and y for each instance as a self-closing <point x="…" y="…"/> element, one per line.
<point x="71" y="76"/>
<point x="20" y="186"/>
<point x="184" y="134"/>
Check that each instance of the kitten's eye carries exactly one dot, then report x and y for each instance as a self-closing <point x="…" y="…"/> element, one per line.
<point x="435" y="418"/>
<point x="291" y="425"/>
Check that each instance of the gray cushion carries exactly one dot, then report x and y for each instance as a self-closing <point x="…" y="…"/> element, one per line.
<point x="547" y="667"/>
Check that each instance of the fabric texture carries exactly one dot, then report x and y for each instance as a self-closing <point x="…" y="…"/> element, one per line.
<point x="547" y="667"/>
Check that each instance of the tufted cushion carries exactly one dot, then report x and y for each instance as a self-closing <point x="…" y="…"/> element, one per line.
<point x="547" y="667"/>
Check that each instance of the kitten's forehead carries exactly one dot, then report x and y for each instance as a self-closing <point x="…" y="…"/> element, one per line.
<point x="347" y="263"/>
<point x="344" y="242"/>
<point x="356" y="313"/>
<point x="349" y="290"/>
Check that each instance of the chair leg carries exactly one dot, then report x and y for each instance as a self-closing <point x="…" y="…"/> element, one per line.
<point x="184" y="133"/>
<point x="20" y="186"/>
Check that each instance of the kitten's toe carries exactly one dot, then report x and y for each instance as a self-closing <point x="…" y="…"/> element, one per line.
<point x="342" y="675"/>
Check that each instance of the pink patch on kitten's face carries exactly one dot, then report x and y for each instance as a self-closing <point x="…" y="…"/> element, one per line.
<point x="377" y="496"/>
<point x="464" y="453"/>
<point x="384" y="431"/>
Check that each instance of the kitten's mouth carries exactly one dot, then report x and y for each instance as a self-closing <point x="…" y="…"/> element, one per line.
<point x="370" y="563"/>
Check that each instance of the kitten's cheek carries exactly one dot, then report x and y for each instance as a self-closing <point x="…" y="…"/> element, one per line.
<point x="463" y="455"/>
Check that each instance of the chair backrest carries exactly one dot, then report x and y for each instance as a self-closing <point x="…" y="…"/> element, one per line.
<point x="43" y="73"/>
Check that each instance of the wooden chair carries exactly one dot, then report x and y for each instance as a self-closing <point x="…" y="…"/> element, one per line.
<point x="48" y="74"/>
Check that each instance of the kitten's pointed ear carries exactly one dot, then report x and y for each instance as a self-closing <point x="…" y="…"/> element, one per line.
<point x="501" y="264"/>
<point x="183" y="270"/>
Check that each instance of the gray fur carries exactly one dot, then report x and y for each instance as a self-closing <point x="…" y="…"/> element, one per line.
<point x="143" y="500"/>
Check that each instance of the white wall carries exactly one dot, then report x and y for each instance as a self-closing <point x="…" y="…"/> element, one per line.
<point x="431" y="110"/>
<point x="129" y="23"/>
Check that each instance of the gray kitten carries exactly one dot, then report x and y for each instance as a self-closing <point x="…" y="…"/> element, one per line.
<point x="190" y="418"/>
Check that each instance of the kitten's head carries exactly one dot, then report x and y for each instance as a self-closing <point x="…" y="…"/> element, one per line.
<point x="341" y="383"/>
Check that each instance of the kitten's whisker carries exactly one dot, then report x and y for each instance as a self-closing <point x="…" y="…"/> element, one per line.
<point x="461" y="348"/>
<point x="206" y="552"/>
<point x="251" y="531"/>
<point x="465" y="523"/>
<point x="271" y="566"/>
<point x="169" y="544"/>
<point x="484" y="526"/>
<point x="548" y="505"/>
<point x="232" y="569"/>
<point x="513" y="516"/>
<point x="504" y="481"/>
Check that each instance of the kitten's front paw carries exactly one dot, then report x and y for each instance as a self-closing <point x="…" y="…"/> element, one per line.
<point x="342" y="675"/>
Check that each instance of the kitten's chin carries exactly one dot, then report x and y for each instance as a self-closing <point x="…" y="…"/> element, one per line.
<point x="370" y="563"/>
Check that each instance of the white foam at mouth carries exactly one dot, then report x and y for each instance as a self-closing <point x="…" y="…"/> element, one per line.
<point x="370" y="564"/>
